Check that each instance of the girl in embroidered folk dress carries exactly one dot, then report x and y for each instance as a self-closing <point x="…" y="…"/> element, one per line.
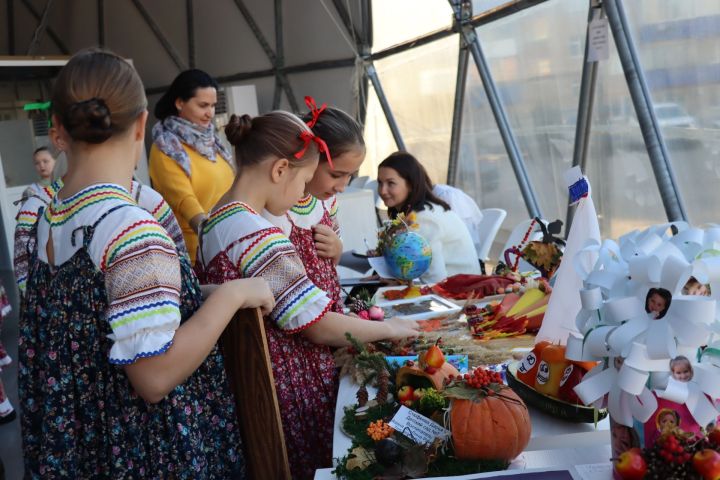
<point x="277" y="156"/>
<point x="311" y="224"/>
<point x="146" y="198"/>
<point x="119" y="376"/>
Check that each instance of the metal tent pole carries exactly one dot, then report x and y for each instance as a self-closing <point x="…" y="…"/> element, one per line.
<point x="642" y="101"/>
<point x="462" y="16"/>
<point x="585" y="108"/>
<point x="456" y="132"/>
<point x="516" y="159"/>
<point x="377" y="86"/>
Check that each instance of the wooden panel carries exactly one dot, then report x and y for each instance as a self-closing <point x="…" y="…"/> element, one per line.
<point x="247" y="362"/>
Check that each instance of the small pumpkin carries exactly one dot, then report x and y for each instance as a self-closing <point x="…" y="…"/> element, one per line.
<point x="494" y="427"/>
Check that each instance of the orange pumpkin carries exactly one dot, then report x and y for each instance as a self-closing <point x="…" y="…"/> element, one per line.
<point x="493" y="428"/>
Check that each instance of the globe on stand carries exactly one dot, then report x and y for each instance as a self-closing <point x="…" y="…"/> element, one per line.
<point x="408" y="256"/>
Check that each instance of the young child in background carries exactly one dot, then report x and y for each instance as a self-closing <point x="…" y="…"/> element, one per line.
<point x="7" y="413"/>
<point x="657" y="302"/>
<point x="681" y="369"/>
<point x="44" y="163"/>
<point x="277" y="156"/>
<point x="120" y="375"/>
<point x="311" y="224"/>
<point x="694" y="287"/>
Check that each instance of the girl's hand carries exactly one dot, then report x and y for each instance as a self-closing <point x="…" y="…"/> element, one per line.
<point x="252" y="293"/>
<point x="402" y="329"/>
<point x="327" y="242"/>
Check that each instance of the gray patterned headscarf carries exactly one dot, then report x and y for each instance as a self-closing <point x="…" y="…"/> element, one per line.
<point x="170" y="134"/>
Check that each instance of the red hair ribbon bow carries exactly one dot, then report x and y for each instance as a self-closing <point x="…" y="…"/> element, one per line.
<point x="310" y="102"/>
<point x="308" y="137"/>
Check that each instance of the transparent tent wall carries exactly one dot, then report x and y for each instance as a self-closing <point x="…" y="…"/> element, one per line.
<point x="538" y="75"/>
<point x="419" y="85"/>
<point x="679" y="46"/>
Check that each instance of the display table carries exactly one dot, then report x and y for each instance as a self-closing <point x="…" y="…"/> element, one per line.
<point x="554" y="444"/>
<point x="557" y="449"/>
<point x="548" y="433"/>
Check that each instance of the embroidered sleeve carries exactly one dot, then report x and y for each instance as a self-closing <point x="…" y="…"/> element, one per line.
<point x="269" y="254"/>
<point x="142" y="277"/>
<point x="153" y="202"/>
<point x="24" y="241"/>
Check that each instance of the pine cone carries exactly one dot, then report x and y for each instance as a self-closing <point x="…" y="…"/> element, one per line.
<point x="362" y="396"/>
<point x="358" y="305"/>
<point x="383" y="381"/>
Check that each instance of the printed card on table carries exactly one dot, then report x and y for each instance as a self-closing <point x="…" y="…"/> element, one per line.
<point x="417" y="427"/>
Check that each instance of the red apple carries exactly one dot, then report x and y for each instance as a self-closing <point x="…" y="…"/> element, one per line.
<point x="631" y="465"/>
<point x="376" y="313"/>
<point x="707" y="464"/>
<point x="714" y="436"/>
<point x="418" y="393"/>
<point x="405" y="395"/>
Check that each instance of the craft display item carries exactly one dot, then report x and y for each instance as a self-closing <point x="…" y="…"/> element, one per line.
<point x="487" y="419"/>
<point x="412" y="291"/>
<point x="631" y="465"/>
<point x="545" y="254"/>
<point x="379" y="430"/>
<point x="422" y="374"/>
<point x="392" y="441"/>
<point x="400" y="224"/>
<point x="364" y="307"/>
<point x="551" y="369"/>
<point x="563" y="408"/>
<point x="407" y="255"/>
<point x="527" y="370"/>
<point x="671" y="457"/>
<point x="514" y="315"/>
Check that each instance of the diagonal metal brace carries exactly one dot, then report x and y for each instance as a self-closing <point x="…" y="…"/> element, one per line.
<point x="176" y="58"/>
<point x="61" y="46"/>
<point x="282" y="77"/>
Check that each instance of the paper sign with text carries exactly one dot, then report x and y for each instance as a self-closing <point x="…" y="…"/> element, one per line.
<point x="417" y="427"/>
<point x="598" y="40"/>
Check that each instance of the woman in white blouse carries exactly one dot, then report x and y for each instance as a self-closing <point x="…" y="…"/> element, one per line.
<point x="404" y="186"/>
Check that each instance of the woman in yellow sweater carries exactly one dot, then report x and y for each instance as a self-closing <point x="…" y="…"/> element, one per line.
<point x="189" y="165"/>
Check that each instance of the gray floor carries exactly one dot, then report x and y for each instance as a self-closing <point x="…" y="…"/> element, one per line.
<point x="10" y="444"/>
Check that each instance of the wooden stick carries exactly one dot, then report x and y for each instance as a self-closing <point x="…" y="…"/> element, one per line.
<point x="248" y="367"/>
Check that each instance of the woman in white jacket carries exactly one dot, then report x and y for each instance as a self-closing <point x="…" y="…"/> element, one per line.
<point x="405" y="187"/>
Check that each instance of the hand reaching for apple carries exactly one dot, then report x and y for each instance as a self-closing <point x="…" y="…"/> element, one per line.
<point x="401" y="329"/>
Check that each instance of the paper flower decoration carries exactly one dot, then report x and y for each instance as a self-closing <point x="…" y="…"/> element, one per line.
<point x="614" y="322"/>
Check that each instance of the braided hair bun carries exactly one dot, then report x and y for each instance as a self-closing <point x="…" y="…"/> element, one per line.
<point x="89" y="121"/>
<point x="238" y="128"/>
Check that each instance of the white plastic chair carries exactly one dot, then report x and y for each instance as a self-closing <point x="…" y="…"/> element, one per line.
<point x="359" y="182"/>
<point x="516" y="237"/>
<point x="488" y="228"/>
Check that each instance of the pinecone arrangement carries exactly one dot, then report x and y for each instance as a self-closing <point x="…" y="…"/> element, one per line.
<point x="363" y="305"/>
